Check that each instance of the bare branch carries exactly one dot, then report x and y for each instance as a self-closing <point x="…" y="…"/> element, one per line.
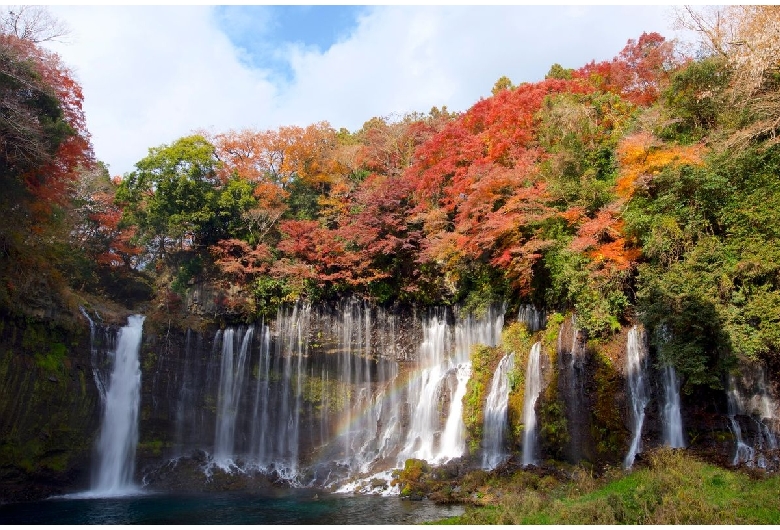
<point x="32" y="23"/>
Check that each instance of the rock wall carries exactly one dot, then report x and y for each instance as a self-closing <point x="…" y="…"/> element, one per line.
<point x="348" y="353"/>
<point x="49" y="408"/>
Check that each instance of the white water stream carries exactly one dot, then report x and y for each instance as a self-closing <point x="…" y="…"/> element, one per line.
<point x="672" y="424"/>
<point x="533" y="387"/>
<point x="638" y="393"/>
<point x="119" y="431"/>
<point x="495" y="414"/>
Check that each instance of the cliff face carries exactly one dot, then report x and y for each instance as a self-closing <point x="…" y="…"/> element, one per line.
<point x="288" y="396"/>
<point x="325" y="393"/>
<point x="49" y="408"/>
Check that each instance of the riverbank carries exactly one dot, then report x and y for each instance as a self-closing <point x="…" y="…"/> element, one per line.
<point x="667" y="487"/>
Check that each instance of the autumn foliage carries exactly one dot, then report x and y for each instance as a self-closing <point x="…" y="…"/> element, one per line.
<point x="44" y="147"/>
<point x="522" y="196"/>
<point x="639" y="188"/>
<point x="434" y="207"/>
<point x="638" y="73"/>
<point x="44" y="139"/>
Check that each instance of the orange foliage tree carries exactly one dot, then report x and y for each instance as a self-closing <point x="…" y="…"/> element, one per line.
<point x="642" y="156"/>
<point x="279" y="156"/>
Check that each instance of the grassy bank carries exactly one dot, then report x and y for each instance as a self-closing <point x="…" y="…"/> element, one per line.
<point x="673" y="488"/>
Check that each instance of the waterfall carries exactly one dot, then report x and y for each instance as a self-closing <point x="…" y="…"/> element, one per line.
<point x="356" y="371"/>
<point x="445" y="368"/>
<point x="262" y="394"/>
<point x="291" y="346"/>
<point x="468" y="333"/>
<point x="533" y="387"/>
<point x="425" y="390"/>
<point x="320" y="394"/>
<point x="636" y="374"/>
<point x="571" y="383"/>
<point x="672" y="424"/>
<point x="193" y="425"/>
<point x="231" y="384"/>
<point x="749" y="396"/>
<point x="743" y="453"/>
<point x="494" y="426"/>
<point x="453" y="441"/>
<point x="119" y="430"/>
<point x="387" y="409"/>
<point x="533" y="318"/>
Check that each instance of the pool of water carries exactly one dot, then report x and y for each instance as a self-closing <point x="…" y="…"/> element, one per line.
<point x="289" y="507"/>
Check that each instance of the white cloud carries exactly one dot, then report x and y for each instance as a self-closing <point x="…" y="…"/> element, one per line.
<point x="153" y="74"/>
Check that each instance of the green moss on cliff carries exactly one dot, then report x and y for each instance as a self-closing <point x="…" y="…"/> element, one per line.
<point x="608" y="430"/>
<point x="551" y="412"/>
<point x="484" y="360"/>
<point x="332" y="394"/>
<point x="48" y="410"/>
<point x="516" y="338"/>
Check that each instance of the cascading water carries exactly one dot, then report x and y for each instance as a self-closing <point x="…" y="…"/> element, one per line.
<point x="331" y="392"/>
<point x="636" y="374"/>
<point x="533" y="387"/>
<point x="425" y="421"/>
<point x="439" y="369"/>
<point x="743" y="453"/>
<point x="283" y="430"/>
<point x="328" y="392"/>
<point x="494" y="427"/>
<point x="99" y="374"/>
<point x="260" y="419"/>
<point x="119" y="431"/>
<point x="571" y="383"/>
<point x="231" y="384"/>
<point x="356" y="367"/>
<point x="533" y="318"/>
<point x="468" y="333"/>
<point x="749" y="397"/>
<point x="453" y="441"/>
<point x="672" y="418"/>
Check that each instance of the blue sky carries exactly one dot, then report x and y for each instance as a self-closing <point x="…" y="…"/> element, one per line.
<point x="152" y="74"/>
<point x="263" y="31"/>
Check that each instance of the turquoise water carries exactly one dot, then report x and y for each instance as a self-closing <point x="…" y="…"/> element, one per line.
<point x="289" y="507"/>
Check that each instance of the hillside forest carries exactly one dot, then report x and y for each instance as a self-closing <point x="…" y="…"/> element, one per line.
<point x="638" y="189"/>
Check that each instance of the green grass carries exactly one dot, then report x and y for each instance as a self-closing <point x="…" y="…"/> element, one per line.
<point x="674" y="489"/>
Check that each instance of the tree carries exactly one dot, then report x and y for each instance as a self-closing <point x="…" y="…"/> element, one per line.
<point x="747" y="37"/>
<point x="279" y="156"/>
<point x="31" y="23"/>
<point x="172" y="196"/>
<point x="387" y="144"/>
<point x="503" y="83"/>
<point x="695" y="100"/>
<point x="559" y="72"/>
<point x="97" y="221"/>
<point x="639" y="72"/>
<point x="480" y="195"/>
<point x="43" y="136"/>
<point x="44" y="145"/>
